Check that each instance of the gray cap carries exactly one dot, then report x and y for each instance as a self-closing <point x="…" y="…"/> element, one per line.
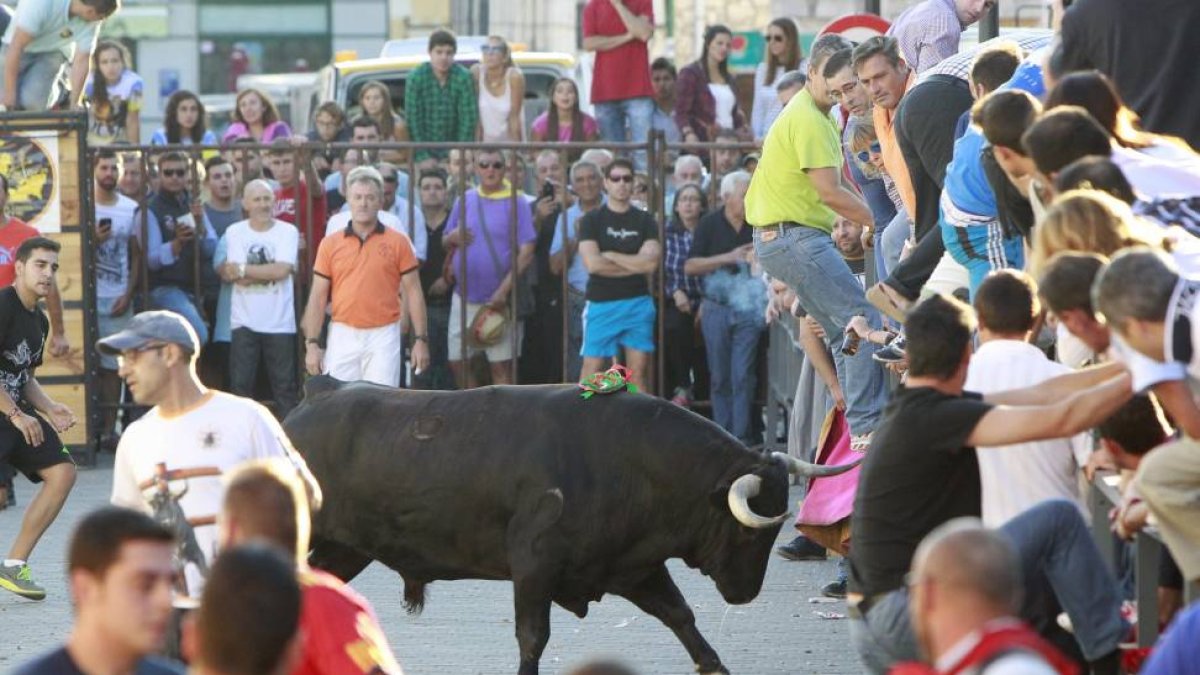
<point x="149" y="327"/>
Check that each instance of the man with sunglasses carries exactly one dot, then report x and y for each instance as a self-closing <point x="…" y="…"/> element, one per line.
<point x="178" y="232"/>
<point x="29" y="441"/>
<point x="619" y="246"/>
<point x="480" y="228"/>
<point x="170" y="461"/>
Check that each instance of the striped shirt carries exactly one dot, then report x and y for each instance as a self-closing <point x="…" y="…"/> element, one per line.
<point x="959" y="65"/>
<point x="928" y="33"/>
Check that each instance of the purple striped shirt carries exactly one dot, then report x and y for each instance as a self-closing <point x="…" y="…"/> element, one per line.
<point x="928" y="32"/>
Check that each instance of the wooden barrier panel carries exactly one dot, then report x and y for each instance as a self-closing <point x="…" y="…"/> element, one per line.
<point x="43" y="155"/>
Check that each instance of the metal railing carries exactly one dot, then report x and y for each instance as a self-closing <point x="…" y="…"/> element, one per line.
<point x="245" y="155"/>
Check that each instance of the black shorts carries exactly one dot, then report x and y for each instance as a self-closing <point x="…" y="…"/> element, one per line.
<point x="29" y="459"/>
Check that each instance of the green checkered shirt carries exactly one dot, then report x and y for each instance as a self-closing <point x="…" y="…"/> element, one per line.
<point x="439" y="113"/>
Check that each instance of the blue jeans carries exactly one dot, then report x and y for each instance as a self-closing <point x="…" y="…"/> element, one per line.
<point x="1059" y="558"/>
<point x="805" y="259"/>
<point x="982" y="249"/>
<point x="1059" y="561"/>
<point x="890" y="244"/>
<point x="41" y="78"/>
<point x="177" y="300"/>
<point x="634" y="114"/>
<point x="731" y="341"/>
<point x="574" y="335"/>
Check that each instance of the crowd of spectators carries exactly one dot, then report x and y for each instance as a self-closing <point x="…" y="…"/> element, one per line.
<point x="982" y="253"/>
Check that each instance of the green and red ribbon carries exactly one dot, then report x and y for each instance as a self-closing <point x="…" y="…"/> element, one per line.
<point x="610" y="381"/>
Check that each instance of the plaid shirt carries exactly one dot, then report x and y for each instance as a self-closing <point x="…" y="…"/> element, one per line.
<point x="678" y="245"/>
<point x="960" y="64"/>
<point x="928" y="33"/>
<point x="437" y="113"/>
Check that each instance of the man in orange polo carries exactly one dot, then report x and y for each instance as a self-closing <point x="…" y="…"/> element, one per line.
<point x="366" y="268"/>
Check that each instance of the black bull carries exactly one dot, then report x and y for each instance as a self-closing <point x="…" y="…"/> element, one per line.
<point x="568" y="498"/>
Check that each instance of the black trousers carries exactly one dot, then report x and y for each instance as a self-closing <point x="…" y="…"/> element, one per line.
<point x="277" y="353"/>
<point x="686" y="364"/>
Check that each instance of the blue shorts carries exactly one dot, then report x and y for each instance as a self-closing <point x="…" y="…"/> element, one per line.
<point x="612" y="324"/>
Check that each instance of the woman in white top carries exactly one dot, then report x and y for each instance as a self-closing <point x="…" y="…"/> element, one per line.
<point x="783" y="55"/>
<point x="704" y="98"/>
<point x="501" y="94"/>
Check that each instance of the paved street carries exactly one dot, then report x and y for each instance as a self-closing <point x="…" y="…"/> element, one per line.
<point x="467" y="626"/>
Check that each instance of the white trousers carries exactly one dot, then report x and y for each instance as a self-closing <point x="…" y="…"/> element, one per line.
<point x="371" y="354"/>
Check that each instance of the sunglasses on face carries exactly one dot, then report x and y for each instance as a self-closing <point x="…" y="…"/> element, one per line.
<point x="623" y="178"/>
<point x="491" y="49"/>
<point x="174" y="173"/>
<point x="865" y="156"/>
<point x="491" y="165"/>
<point x="389" y="179"/>
<point x="775" y="38"/>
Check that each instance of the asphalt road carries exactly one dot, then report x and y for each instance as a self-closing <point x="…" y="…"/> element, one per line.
<point x="467" y="626"/>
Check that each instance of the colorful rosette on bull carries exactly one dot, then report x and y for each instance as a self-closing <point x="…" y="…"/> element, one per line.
<point x="610" y="381"/>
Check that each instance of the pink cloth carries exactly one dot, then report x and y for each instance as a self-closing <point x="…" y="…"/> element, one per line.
<point x="274" y="130"/>
<point x="590" y="128"/>
<point x="831" y="499"/>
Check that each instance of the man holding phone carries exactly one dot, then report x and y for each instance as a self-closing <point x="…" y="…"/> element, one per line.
<point x="176" y="234"/>
<point x="117" y="250"/>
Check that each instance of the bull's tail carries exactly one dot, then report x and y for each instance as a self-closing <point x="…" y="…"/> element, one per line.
<point x="414" y="596"/>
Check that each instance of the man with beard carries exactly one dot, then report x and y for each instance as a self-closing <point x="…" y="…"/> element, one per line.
<point x="117" y="268"/>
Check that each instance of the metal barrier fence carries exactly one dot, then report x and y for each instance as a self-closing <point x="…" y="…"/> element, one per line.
<point x="247" y="158"/>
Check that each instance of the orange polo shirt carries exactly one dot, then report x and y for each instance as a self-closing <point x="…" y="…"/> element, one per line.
<point x="893" y="159"/>
<point x="365" y="274"/>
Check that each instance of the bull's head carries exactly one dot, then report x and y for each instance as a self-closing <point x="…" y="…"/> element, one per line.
<point x="749" y="486"/>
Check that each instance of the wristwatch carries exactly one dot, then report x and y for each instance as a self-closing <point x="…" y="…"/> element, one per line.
<point x="312" y="341"/>
<point x="421" y="337"/>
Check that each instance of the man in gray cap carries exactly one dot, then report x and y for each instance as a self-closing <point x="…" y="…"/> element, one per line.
<point x="169" y="463"/>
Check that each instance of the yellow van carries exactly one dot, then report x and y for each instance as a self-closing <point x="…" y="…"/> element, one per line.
<point x="341" y="81"/>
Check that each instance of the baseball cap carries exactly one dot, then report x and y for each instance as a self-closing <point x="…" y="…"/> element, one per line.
<point x="148" y="327"/>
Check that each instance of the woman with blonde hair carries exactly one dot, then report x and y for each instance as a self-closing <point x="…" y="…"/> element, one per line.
<point x="501" y="87"/>
<point x="375" y="101"/>
<point x="1091" y="221"/>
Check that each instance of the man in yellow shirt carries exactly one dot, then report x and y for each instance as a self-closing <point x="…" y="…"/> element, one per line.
<point x="797" y="192"/>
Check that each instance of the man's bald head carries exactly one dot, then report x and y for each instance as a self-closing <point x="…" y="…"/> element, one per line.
<point x="258" y="200"/>
<point x="972" y="559"/>
<point x="258" y="185"/>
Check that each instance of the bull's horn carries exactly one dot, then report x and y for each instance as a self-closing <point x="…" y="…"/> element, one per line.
<point x="740" y="493"/>
<point x="809" y="470"/>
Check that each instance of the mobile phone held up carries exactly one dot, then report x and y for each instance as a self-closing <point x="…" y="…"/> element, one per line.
<point x="547" y="190"/>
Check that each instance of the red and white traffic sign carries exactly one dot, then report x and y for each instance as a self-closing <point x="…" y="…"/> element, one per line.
<point x="857" y="27"/>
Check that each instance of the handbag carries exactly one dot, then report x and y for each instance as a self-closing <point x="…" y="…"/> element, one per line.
<point x="526" y="303"/>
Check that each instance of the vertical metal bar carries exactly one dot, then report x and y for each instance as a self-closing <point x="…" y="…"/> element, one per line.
<point x="463" y="355"/>
<point x="989" y="24"/>
<point x="413" y="183"/>
<point x="87" y="213"/>
<point x="658" y="207"/>
<point x="1149" y="550"/>
<point x="514" y="290"/>
<point x="565" y="284"/>
<point x="197" y="240"/>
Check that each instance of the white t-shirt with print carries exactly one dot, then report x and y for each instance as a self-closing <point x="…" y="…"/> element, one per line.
<point x="112" y="257"/>
<point x="195" y="448"/>
<point x="269" y="306"/>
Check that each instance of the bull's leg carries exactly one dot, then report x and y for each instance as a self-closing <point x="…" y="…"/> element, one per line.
<point x="532" y="558"/>
<point x="659" y="597"/>
<point x="532" y="601"/>
<point x="336" y="558"/>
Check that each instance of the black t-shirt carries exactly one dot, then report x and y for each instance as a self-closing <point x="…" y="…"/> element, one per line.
<point x="622" y="233"/>
<point x="435" y="261"/>
<point x="715" y="235"/>
<point x="59" y="662"/>
<point x="1149" y="49"/>
<point x="917" y="475"/>
<point x="22" y="339"/>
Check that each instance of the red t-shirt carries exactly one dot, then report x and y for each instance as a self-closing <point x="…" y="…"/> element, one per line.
<point x="341" y="633"/>
<point x="11" y="236"/>
<point x="291" y="209"/>
<point x="623" y="72"/>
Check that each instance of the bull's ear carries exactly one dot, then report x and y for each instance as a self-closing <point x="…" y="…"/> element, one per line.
<point x="719" y="497"/>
